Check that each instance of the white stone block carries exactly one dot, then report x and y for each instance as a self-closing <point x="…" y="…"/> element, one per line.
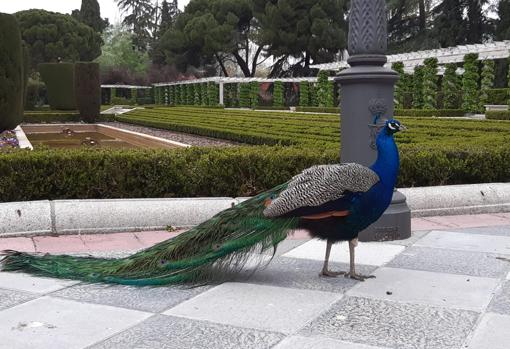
<point x="25" y="217"/>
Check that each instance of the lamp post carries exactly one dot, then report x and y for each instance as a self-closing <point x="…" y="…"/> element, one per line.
<point x="367" y="98"/>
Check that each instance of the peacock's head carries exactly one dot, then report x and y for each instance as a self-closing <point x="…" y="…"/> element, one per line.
<point x="393" y="126"/>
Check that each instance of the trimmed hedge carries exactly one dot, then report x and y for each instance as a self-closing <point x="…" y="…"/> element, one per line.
<point x="429" y="113"/>
<point x="87" y="84"/>
<point x="318" y="110"/>
<point x="198" y="172"/>
<point x="498" y="115"/>
<point x="271" y="107"/>
<point x="34" y="117"/>
<point x="59" y="80"/>
<point x="498" y="96"/>
<point x="11" y="73"/>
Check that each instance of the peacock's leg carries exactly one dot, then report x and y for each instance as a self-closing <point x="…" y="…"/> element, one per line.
<point x="325" y="271"/>
<point x="352" y="272"/>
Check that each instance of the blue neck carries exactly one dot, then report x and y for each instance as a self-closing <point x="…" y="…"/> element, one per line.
<point x="388" y="162"/>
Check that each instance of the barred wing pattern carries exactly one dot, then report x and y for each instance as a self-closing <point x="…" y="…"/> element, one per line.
<point x="320" y="184"/>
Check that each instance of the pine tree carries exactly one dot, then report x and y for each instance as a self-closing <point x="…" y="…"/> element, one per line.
<point x="470" y="96"/>
<point x="503" y="23"/>
<point x="450" y="87"/>
<point x="449" y="24"/>
<point x="418" y="88"/>
<point x="487" y="82"/>
<point x="430" y="83"/>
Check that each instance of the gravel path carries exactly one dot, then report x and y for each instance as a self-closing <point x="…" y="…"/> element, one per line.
<point x="185" y="138"/>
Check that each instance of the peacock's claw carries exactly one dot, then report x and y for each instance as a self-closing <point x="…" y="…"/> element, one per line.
<point x="359" y="277"/>
<point x="331" y="274"/>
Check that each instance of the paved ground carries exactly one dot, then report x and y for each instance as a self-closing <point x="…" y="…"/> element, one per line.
<point x="446" y="287"/>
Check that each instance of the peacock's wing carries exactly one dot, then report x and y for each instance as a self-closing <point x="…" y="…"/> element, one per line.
<point x="319" y="185"/>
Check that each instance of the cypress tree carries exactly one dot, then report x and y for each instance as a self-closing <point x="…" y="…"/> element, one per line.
<point x="418" y="88"/>
<point x="508" y="82"/>
<point x="88" y="90"/>
<point x="450" y="87"/>
<point x="487" y="82"/>
<point x="399" y="86"/>
<point x="430" y="83"/>
<point x="90" y="14"/>
<point x="470" y="95"/>
<point x="278" y="94"/>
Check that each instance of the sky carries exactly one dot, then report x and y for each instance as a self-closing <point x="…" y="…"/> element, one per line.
<point x="108" y="7"/>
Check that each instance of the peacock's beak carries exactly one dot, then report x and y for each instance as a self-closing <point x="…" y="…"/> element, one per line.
<point x="402" y="128"/>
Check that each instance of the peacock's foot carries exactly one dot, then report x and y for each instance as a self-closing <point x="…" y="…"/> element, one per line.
<point x="331" y="274"/>
<point x="359" y="277"/>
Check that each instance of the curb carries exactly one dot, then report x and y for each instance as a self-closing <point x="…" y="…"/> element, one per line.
<point x="32" y="218"/>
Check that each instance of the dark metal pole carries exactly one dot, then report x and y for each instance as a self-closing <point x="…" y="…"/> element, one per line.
<point x="367" y="96"/>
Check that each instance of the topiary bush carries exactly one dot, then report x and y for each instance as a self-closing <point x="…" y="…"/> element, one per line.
<point x="244" y="95"/>
<point x="430" y="83"/>
<point x="278" y="94"/>
<point x="324" y="90"/>
<point x="399" y="86"/>
<point x="254" y="94"/>
<point x="59" y="80"/>
<point x="87" y="82"/>
<point x="470" y="95"/>
<point x="418" y="87"/>
<point x="451" y="87"/>
<point x="213" y="94"/>
<point x="487" y="82"/>
<point x="11" y="73"/>
<point x="304" y="94"/>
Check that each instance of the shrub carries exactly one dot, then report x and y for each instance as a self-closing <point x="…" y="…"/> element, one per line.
<point x="88" y="90"/>
<point x="244" y="98"/>
<point x="324" y="90"/>
<point x="271" y="107"/>
<point x="26" y="71"/>
<point x="59" y="80"/>
<point x="213" y="94"/>
<point x="318" y="110"/>
<point x="487" y="82"/>
<point x="278" y="94"/>
<point x="36" y="93"/>
<point x="254" y="94"/>
<point x="59" y="117"/>
<point x="304" y="94"/>
<point x="429" y="113"/>
<point x="121" y="101"/>
<point x="430" y="83"/>
<point x="11" y="73"/>
<point x="450" y="87"/>
<point x="399" y="86"/>
<point x="470" y="96"/>
<point x="498" y="96"/>
<point x="418" y="87"/>
<point x="498" y="114"/>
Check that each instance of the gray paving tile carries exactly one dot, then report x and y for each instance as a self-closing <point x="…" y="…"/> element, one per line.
<point x="492" y="333"/>
<point x="415" y="236"/>
<point x="51" y="323"/>
<point x="392" y="324"/>
<point x="302" y="274"/>
<point x="150" y="299"/>
<point x="466" y="242"/>
<point x="428" y="288"/>
<point x="496" y="231"/>
<point x="316" y="342"/>
<point x="9" y="298"/>
<point x="451" y="261"/>
<point x="168" y="332"/>
<point x="28" y="283"/>
<point x="501" y="301"/>
<point x="256" y="306"/>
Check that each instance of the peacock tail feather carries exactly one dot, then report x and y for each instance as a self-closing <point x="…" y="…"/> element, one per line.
<point x="221" y="245"/>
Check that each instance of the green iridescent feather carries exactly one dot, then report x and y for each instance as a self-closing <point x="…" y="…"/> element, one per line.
<point x="223" y="244"/>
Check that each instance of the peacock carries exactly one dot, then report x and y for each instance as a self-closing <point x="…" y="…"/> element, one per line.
<point x="333" y="202"/>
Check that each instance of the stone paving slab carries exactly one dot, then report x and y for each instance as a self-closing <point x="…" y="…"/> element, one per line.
<point x="501" y="302"/>
<point x="427" y="288"/>
<point x="168" y="332"/>
<point x="56" y="323"/>
<point x="150" y="299"/>
<point x="393" y="324"/>
<point x="492" y="333"/>
<point x="466" y="242"/>
<point x="9" y="298"/>
<point x="316" y="342"/>
<point x="451" y="262"/>
<point x="256" y="306"/>
<point x="499" y="230"/>
<point x="373" y="253"/>
<point x="28" y="283"/>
